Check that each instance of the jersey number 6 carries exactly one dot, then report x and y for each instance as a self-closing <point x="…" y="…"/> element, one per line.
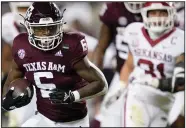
<point x="43" y="87"/>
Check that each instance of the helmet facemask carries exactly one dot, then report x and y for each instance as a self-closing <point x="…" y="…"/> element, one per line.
<point x="158" y="24"/>
<point x="134" y="7"/>
<point x="45" y="35"/>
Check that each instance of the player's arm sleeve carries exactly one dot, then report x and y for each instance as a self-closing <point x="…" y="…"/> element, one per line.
<point x="91" y="42"/>
<point x="128" y="66"/>
<point x="127" y="38"/>
<point x="80" y="50"/>
<point x="97" y="83"/>
<point x="15" y="48"/>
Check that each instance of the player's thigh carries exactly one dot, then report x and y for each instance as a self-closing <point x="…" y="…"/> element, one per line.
<point x="33" y="121"/>
<point x="41" y="121"/>
<point x="111" y="121"/>
<point x="135" y="112"/>
<point x="20" y="115"/>
<point x="112" y="118"/>
<point x="38" y="120"/>
<point x="78" y="123"/>
<point x="159" y="118"/>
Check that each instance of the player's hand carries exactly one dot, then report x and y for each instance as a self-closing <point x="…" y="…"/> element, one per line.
<point x="9" y="102"/>
<point x="115" y="95"/>
<point x="61" y="97"/>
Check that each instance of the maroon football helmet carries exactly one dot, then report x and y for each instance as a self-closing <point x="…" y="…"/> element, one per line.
<point x="44" y="23"/>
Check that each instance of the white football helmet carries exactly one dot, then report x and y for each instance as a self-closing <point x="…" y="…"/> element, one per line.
<point x="158" y="24"/>
<point x="19" y="8"/>
<point x="134" y="7"/>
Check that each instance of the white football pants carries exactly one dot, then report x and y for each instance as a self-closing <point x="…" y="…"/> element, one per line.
<point x="109" y="115"/>
<point x="39" y="120"/>
<point x="145" y="106"/>
<point x="18" y="116"/>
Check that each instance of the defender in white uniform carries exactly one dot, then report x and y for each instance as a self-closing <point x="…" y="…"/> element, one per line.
<point x="154" y="46"/>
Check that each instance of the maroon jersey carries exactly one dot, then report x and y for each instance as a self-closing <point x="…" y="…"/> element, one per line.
<point x="53" y="69"/>
<point x="117" y="17"/>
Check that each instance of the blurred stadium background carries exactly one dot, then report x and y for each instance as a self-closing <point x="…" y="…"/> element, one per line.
<point x="85" y="13"/>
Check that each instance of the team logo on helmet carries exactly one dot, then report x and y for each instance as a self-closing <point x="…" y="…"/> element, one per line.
<point x="21" y="53"/>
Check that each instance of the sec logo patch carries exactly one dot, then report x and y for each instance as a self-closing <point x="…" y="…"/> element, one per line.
<point x="21" y="53"/>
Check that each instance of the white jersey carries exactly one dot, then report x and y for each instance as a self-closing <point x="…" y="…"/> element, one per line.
<point x="154" y="57"/>
<point x="146" y="106"/>
<point x="9" y="30"/>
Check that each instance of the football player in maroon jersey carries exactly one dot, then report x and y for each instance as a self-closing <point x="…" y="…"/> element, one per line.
<point x="56" y="63"/>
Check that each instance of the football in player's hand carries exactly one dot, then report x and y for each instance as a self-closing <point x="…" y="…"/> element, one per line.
<point x="19" y="94"/>
<point x="22" y="86"/>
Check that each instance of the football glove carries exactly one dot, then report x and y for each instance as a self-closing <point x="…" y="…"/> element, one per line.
<point x="9" y="102"/>
<point x="61" y="97"/>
